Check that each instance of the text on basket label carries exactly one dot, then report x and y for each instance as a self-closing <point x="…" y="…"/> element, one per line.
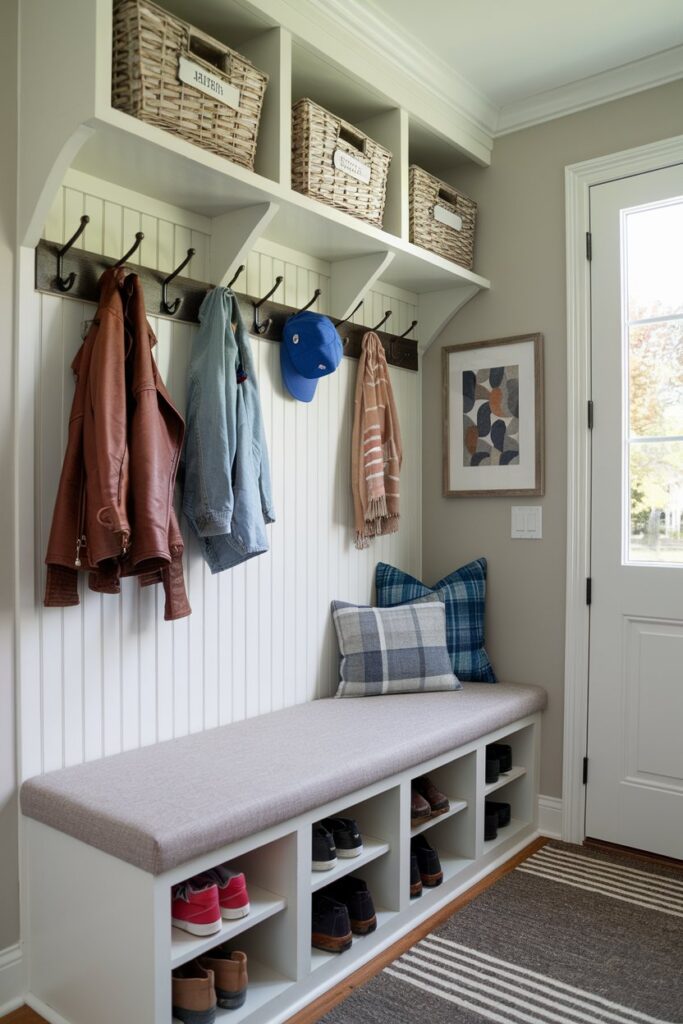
<point x="211" y="85"/>
<point x="351" y="166"/>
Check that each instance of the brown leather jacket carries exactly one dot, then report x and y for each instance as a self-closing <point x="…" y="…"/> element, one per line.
<point x="114" y="511"/>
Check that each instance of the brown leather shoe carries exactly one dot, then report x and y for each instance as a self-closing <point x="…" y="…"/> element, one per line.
<point x="194" y="997"/>
<point x="419" y="808"/>
<point x="230" y="974"/>
<point x="438" y="801"/>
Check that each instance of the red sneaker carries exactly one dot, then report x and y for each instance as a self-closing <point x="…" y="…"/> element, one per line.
<point x="195" y="907"/>
<point x="232" y="890"/>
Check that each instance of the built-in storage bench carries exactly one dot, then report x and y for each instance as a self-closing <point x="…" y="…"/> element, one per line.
<point x="106" y="841"/>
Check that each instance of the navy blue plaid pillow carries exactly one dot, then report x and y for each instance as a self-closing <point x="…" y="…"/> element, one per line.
<point x="464" y="593"/>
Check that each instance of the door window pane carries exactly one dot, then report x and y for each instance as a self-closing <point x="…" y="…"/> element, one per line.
<point x="655" y="358"/>
<point x="656" y="501"/>
<point x="655" y="261"/>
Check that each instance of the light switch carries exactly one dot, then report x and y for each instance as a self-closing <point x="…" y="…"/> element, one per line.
<point x="527" y="522"/>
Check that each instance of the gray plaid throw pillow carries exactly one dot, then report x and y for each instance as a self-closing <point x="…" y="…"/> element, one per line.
<point x="392" y="650"/>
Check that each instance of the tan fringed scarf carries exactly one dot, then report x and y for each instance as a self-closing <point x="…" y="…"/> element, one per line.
<point x="376" y="450"/>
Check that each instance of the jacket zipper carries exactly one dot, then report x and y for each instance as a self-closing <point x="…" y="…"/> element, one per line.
<point x="80" y="540"/>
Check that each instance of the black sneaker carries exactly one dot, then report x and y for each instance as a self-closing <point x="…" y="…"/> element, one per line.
<point x="415" y="880"/>
<point x="490" y="824"/>
<point x="330" y="925"/>
<point x="503" y="751"/>
<point x="354" y="894"/>
<point x="324" y="850"/>
<point x="492" y="768"/>
<point x="501" y="809"/>
<point x="347" y="838"/>
<point x="428" y="862"/>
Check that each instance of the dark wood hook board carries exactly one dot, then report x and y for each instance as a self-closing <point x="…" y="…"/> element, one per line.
<point x="89" y="267"/>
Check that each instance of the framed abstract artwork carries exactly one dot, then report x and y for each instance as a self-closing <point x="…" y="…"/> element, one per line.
<point x="493" y="418"/>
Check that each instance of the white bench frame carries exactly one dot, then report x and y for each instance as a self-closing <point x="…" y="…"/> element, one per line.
<point x="100" y="944"/>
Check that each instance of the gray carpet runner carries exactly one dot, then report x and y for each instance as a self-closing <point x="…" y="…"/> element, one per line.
<point x="571" y="936"/>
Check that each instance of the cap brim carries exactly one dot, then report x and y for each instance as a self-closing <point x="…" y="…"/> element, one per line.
<point x="301" y="388"/>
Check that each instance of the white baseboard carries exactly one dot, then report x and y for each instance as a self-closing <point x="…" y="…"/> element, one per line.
<point x="12" y="985"/>
<point x="550" y="816"/>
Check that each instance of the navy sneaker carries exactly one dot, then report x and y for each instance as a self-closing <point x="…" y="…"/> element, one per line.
<point x="492" y="768"/>
<point x="501" y="809"/>
<point x="324" y="850"/>
<point x="330" y="924"/>
<point x="503" y="751"/>
<point x="428" y="862"/>
<point x="355" y="895"/>
<point x="346" y="835"/>
<point x="490" y="824"/>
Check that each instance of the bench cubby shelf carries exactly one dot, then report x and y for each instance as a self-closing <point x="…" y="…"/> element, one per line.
<point x="124" y="931"/>
<point x="72" y="44"/>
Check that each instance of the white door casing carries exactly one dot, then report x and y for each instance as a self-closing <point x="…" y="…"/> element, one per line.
<point x="578" y="180"/>
<point x="635" y="758"/>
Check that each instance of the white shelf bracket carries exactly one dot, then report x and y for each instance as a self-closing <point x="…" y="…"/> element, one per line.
<point x="436" y="309"/>
<point x="233" y="235"/>
<point x="353" y="278"/>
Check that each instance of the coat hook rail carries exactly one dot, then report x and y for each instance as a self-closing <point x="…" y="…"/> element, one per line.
<point x="171" y="310"/>
<point x="383" y="320"/>
<point x="261" y="327"/>
<point x="65" y="284"/>
<point x="240" y="270"/>
<point x="411" y="328"/>
<point x="139" y="235"/>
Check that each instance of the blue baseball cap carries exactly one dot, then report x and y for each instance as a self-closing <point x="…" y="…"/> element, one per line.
<point x="310" y="349"/>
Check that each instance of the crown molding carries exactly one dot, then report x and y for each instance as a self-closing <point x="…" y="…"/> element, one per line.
<point x="614" y="84"/>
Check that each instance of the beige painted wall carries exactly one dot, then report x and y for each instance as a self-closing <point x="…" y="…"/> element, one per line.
<point x="9" y="883"/>
<point x="520" y="247"/>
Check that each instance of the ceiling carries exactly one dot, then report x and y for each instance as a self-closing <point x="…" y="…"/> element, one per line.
<point x="512" y="50"/>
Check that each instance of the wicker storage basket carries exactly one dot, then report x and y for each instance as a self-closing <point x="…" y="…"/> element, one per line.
<point x="152" y="49"/>
<point x="431" y="200"/>
<point x="336" y="163"/>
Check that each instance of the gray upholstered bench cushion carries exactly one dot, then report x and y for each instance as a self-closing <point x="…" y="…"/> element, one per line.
<point x="162" y="805"/>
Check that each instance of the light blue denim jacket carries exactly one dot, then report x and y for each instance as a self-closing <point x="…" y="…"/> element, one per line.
<point x="227" y="493"/>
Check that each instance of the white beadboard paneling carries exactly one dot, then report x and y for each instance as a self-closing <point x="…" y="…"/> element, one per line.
<point x="112" y="674"/>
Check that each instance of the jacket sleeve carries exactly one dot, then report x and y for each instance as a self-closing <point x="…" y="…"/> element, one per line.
<point x="210" y="440"/>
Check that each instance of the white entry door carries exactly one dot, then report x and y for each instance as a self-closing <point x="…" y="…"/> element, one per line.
<point x="634" y="793"/>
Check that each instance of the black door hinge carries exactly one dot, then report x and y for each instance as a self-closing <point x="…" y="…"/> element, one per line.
<point x="590" y="413"/>
<point x="589" y="590"/>
<point x="589" y="246"/>
<point x="585" y="770"/>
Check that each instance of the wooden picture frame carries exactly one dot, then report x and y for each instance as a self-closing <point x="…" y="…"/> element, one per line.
<point x="493" y="427"/>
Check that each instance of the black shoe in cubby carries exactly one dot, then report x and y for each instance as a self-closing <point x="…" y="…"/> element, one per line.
<point x="355" y="895"/>
<point x="503" y="751"/>
<point x="501" y="809"/>
<point x="346" y="835"/>
<point x="324" y="850"/>
<point x="490" y="824"/>
<point x="428" y="862"/>
<point x="492" y="769"/>
<point x="415" y="880"/>
<point x="330" y="924"/>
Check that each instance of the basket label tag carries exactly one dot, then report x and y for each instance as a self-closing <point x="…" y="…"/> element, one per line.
<point x="213" y="86"/>
<point x="445" y="216"/>
<point x="350" y="165"/>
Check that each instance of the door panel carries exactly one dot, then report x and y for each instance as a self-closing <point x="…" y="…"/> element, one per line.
<point x="635" y="725"/>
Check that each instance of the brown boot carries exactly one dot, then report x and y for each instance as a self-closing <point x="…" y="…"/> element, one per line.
<point x="230" y="971"/>
<point x="438" y="801"/>
<point x="194" y="996"/>
<point x="419" y="808"/>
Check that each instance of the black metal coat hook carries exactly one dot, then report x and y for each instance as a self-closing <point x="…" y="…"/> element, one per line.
<point x="411" y="328"/>
<point x="353" y="311"/>
<point x="139" y="235"/>
<point x="171" y="310"/>
<point x="65" y="284"/>
<point x="310" y="302"/>
<point x="240" y="270"/>
<point x="383" y="320"/>
<point x="262" y="328"/>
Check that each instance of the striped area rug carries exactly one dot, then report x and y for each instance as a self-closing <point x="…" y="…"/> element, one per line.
<point x="571" y="936"/>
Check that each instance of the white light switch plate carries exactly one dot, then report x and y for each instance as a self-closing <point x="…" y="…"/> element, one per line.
<point x="527" y="522"/>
